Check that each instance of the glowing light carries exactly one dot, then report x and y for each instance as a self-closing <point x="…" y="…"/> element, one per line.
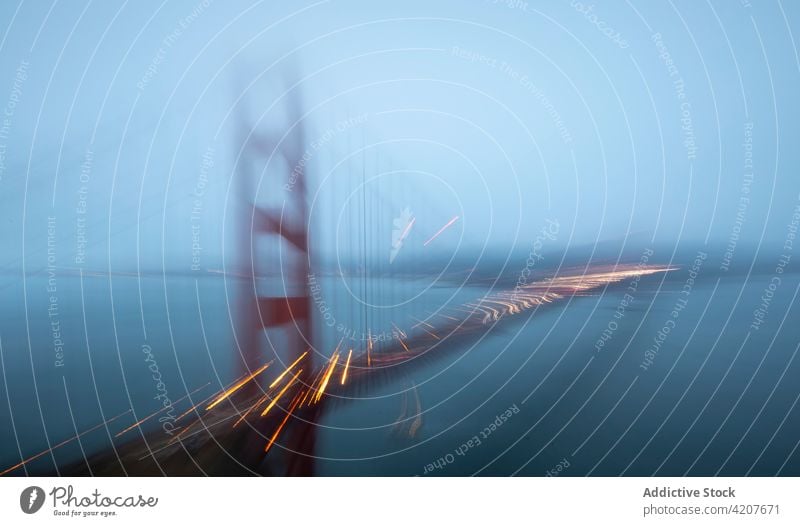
<point x="346" y="366"/>
<point x="403" y="344"/>
<point x="399" y="331"/>
<point x="195" y="406"/>
<point x="407" y="230"/>
<point x="256" y="404"/>
<point x="429" y="332"/>
<point x="313" y="383"/>
<point x="278" y="397"/>
<point x="420" y="322"/>
<point x="494" y="306"/>
<point x="239" y="385"/>
<point x="283" y="423"/>
<point x="327" y="377"/>
<point x="437" y="234"/>
<point x="279" y="378"/>
<point x="308" y="391"/>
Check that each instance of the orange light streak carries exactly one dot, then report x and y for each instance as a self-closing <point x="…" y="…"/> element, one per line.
<point x="239" y="385"/>
<point x="148" y="417"/>
<point x="404" y="345"/>
<point x="400" y="331"/>
<point x="327" y="377"/>
<point x="185" y="429"/>
<point x="283" y="423"/>
<point x="308" y="391"/>
<point x="195" y="406"/>
<point x="420" y="322"/>
<point x="206" y="399"/>
<point x="312" y="388"/>
<point x="346" y="366"/>
<point x="429" y="332"/>
<point x="34" y="457"/>
<point x="279" y="378"/>
<point x="285" y="387"/>
<point x="258" y="403"/>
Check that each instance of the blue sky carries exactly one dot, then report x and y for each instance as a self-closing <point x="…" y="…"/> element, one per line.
<point x="623" y="120"/>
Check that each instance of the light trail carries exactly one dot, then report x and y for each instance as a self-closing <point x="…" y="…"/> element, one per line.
<point x="469" y="316"/>
<point x="195" y="406"/>
<point x="399" y="331"/>
<point x="471" y="312"/>
<point x="34" y="457"/>
<point x="145" y="419"/>
<point x="437" y="234"/>
<point x="206" y="427"/>
<point x="420" y="322"/>
<point x="313" y="383"/>
<point x="346" y="366"/>
<point x="258" y="403"/>
<point x="403" y="344"/>
<point x="283" y="423"/>
<point x="407" y="230"/>
<point x="429" y="332"/>
<point x="178" y="436"/>
<point x="279" y="378"/>
<point x="513" y="307"/>
<point x="278" y="397"/>
<point x="331" y="367"/>
<point x="239" y="385"/>
<point x="487" y="312"/>
<point x="308" y="391"/>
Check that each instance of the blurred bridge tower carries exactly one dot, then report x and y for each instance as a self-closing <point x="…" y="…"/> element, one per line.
<point x="274" y="256"/>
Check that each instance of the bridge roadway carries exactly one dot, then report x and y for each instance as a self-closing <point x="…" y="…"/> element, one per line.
<point x="251" y="427"/>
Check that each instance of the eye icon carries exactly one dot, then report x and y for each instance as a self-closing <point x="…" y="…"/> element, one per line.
<point x="31" y="499"/>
